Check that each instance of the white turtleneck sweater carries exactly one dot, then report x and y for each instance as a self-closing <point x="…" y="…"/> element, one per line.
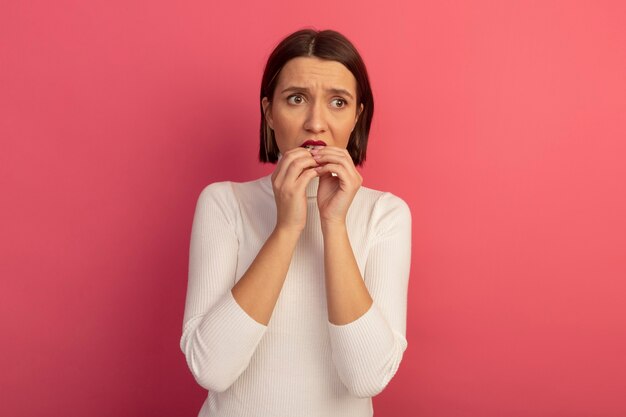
<point x="300" y="364"/>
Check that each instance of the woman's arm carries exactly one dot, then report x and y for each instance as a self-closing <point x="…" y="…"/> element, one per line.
<point x="367" y="314"/>
<point x="224" y="324"/>
<point x="258" y="289"/>
<point x="218" y="337"/>
<point x="347" y="297"/>
<point x="367" y="351"/>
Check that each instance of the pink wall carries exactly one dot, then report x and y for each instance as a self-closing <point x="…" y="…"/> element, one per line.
<point x="501" y="123"/>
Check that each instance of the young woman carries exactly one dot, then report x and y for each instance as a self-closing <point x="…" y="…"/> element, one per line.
<point x="296" y="300"/>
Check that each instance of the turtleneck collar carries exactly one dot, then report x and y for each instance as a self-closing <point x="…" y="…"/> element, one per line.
<point x="311" y="188"/>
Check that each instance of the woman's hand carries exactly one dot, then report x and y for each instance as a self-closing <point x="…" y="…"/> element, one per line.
<point x="289" y="180"/>
<point x="335" y="192"/>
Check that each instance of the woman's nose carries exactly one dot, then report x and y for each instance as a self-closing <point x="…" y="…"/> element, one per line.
<point x="316" y="119"/>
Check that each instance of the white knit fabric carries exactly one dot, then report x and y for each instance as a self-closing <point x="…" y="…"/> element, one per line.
<point x="299" y="365"/>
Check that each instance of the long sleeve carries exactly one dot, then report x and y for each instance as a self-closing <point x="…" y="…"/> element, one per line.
<point x="218" y="338"/>
<point x="367" y="352"/>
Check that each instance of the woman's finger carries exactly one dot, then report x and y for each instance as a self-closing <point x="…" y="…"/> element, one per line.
<point x="285" y="162"/>
<point x="336" y="155"/>
<point x="306" y="177"/>
<point x="339" y="160"/>
<point x="338" y="170"/>
<point x="297" y="167"/>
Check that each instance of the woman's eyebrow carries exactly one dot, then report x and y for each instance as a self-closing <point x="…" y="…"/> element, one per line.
<point x="340" y="91"/>
<point x="330" y="90"/>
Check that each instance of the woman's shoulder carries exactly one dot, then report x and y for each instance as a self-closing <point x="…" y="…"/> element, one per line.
<point x="384" y="211"/>
<point x="383" y="200"/>
<point x="216" y="191"/>
<point x="229" y="190"/>
<point x="225" y="199"/>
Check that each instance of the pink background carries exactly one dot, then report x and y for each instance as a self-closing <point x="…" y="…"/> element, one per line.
<point x="501" y="123"/>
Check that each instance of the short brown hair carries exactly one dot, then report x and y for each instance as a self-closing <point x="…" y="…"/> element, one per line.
<point x="325" y="44"/>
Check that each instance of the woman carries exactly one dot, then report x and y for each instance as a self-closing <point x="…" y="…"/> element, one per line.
<point x="296" y="302"/>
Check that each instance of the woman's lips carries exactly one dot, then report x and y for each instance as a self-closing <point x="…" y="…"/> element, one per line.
<point x="310" y="144"/>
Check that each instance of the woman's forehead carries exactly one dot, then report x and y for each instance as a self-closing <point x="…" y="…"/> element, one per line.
<point x="313" y="72"/>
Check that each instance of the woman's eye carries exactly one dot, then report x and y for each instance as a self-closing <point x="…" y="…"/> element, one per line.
<point x="295" y="99"/>
<point x="338" y="103"/>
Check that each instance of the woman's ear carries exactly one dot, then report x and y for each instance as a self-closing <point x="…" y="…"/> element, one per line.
<point x="267" y="111"/>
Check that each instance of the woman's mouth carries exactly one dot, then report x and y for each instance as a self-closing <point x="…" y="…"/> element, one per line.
<point x="310" y="144"/>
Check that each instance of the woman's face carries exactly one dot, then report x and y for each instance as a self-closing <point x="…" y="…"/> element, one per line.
<point x="314" y="100"/>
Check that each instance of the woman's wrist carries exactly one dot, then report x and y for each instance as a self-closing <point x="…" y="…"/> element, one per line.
<point x="287" y="232"/>
<point x="332" y="227"/>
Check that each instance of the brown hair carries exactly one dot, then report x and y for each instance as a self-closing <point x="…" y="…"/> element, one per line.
<point x="325" y="44"/>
